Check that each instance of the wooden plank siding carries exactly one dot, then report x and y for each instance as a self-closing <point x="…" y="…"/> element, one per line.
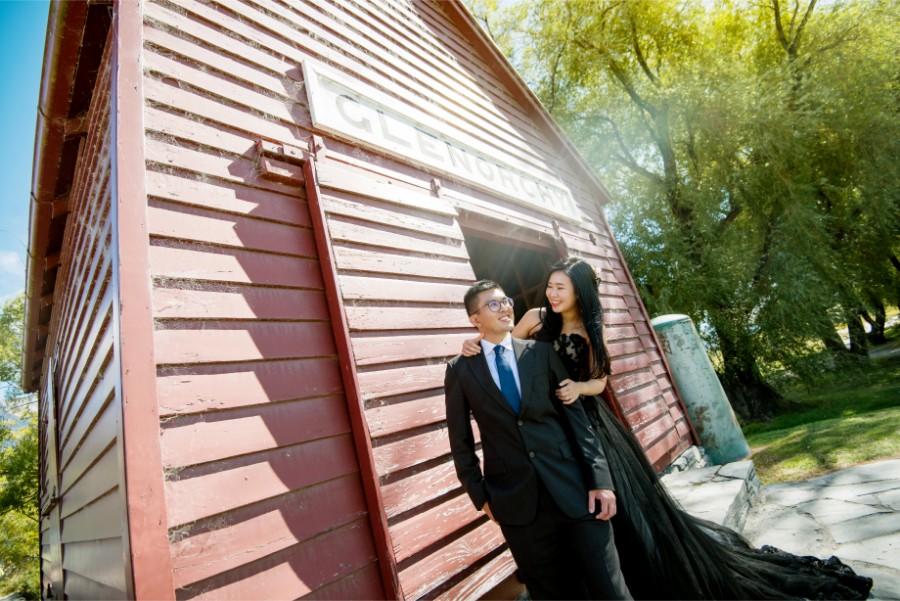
<point x="263" y="486"/>
<point x="83" y="440"/>
<point x="287" y="317"/>
<point x="262" y="460"/>
<point x="402" y="274"/>
<point x="402" y="268"/>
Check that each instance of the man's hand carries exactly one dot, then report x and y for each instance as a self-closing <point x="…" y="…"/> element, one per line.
<point x="487" y="510"/>
<point x="607" y="500"/>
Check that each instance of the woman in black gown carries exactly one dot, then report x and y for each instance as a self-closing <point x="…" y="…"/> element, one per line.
<point x="665" y="553"/>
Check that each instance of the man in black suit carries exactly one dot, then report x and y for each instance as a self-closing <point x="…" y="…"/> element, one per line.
<point x="534" y="482"/>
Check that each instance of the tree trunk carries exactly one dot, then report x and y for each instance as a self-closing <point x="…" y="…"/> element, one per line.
<point x="876" y="334"/>
<point x="859" y="345"/>
<point x="833" y="342"/>
<point x="751" y="397"/>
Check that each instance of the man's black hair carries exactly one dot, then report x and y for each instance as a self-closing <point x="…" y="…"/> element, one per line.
<point x="476" y="289"/>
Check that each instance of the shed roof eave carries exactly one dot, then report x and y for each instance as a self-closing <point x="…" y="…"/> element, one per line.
<point x="513" y="79"/>
<point x="65" y="29"/>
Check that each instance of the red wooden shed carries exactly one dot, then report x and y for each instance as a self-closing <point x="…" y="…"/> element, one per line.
<point x="252" y="224"/>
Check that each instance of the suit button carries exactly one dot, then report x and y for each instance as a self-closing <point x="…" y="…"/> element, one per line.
<point x="531" y="453"/>
<point x="521" y="422"/>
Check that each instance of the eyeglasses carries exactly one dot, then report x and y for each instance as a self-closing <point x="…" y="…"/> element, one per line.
<point x="495" y="304"/>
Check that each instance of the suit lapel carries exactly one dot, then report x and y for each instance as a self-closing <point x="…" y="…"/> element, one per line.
<point x="525" y="363"/>
<point x="483" y="376"/>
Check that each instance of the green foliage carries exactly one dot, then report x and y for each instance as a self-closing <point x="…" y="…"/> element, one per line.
<point x="11" y="326"/>
<point x="19" y="515"/>
<point x="751" y="151"/>
<point x="19" y="469"/>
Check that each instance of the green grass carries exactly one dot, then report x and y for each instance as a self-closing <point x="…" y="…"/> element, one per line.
<point x="819" y="447"/>
<point x="839" y="394"/>
<point x="847" y="418"/>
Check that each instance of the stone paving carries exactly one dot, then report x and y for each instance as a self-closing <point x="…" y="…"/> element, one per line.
<point x="853" y="513"/>
<point x="722" y="494"/>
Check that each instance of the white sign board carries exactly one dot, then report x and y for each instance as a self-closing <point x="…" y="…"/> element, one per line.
<point x="357" y="111"/>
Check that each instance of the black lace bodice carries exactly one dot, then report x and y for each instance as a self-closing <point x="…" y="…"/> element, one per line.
<point x="573" y="350"/>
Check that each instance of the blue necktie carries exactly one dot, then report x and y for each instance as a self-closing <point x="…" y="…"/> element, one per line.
<point x="507" y="380"/>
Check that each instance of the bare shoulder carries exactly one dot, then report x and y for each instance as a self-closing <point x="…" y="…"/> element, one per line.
<point x="534" y="314"/>
<point x="529" y="324"/>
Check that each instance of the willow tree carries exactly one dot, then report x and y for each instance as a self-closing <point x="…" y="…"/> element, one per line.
<point x="749" y="148"/>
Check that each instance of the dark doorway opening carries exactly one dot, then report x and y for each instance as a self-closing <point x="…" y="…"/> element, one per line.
<point x="521" y="270"/>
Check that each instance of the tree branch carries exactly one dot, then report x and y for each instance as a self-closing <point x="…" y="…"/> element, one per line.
<point x="619" y="72"/>
<point x="624" y="160"/>
<point x="736" y="210"/>
<point x="640" y="55"/>
<point x="895" y="262"/>
<point x="795" y="43"/>
<point x="625" y="157"/>
<point x="555" y="63"/>
<point x="764" y="254"/>
<point x="26" y="403"/>
<point x="657" y="118"/>
<point x="794" y="18"/>
<point x="692" y="147"/>
<point x="622" y="77"/>
<point x="779" y="28"/>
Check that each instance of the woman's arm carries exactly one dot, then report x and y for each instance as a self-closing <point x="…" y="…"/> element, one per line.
<point x="588" y="388"/>
<point x="585" y="439"/>
<point x="569" y="391"/>
<point x="529" y="325"/>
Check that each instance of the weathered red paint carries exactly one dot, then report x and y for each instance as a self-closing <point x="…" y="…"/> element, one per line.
<point x="277" y="363"/>
<point x="220" y="386"/>
<point x="377" y="516"/>
<point x="148" y="558"/>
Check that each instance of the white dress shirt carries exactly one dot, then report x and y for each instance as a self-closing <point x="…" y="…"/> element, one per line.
<point x="509" y="356"/>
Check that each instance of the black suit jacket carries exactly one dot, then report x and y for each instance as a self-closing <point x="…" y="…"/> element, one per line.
<point x="519" y="449"/>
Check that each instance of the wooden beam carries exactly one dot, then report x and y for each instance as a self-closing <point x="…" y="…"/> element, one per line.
<point x="148" y="562"/>
<point x="362" y="439"/>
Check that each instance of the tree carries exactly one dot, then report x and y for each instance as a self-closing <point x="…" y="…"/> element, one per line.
<point x="19" y="470"/>
<point x="11" y="323"/>
<point x="750" y="149"/>
<point x="19" y="514"/>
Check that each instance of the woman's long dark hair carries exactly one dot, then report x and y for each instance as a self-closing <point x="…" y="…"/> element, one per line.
<point x="584" y="282"/>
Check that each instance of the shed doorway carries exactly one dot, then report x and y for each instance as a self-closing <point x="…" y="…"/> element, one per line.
<point x="519" y="268"/>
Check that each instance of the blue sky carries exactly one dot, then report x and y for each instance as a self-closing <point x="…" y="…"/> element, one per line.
<point x="23" y="27"/>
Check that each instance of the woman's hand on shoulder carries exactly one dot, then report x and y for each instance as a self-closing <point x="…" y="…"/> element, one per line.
<point x="472" y="346"/>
